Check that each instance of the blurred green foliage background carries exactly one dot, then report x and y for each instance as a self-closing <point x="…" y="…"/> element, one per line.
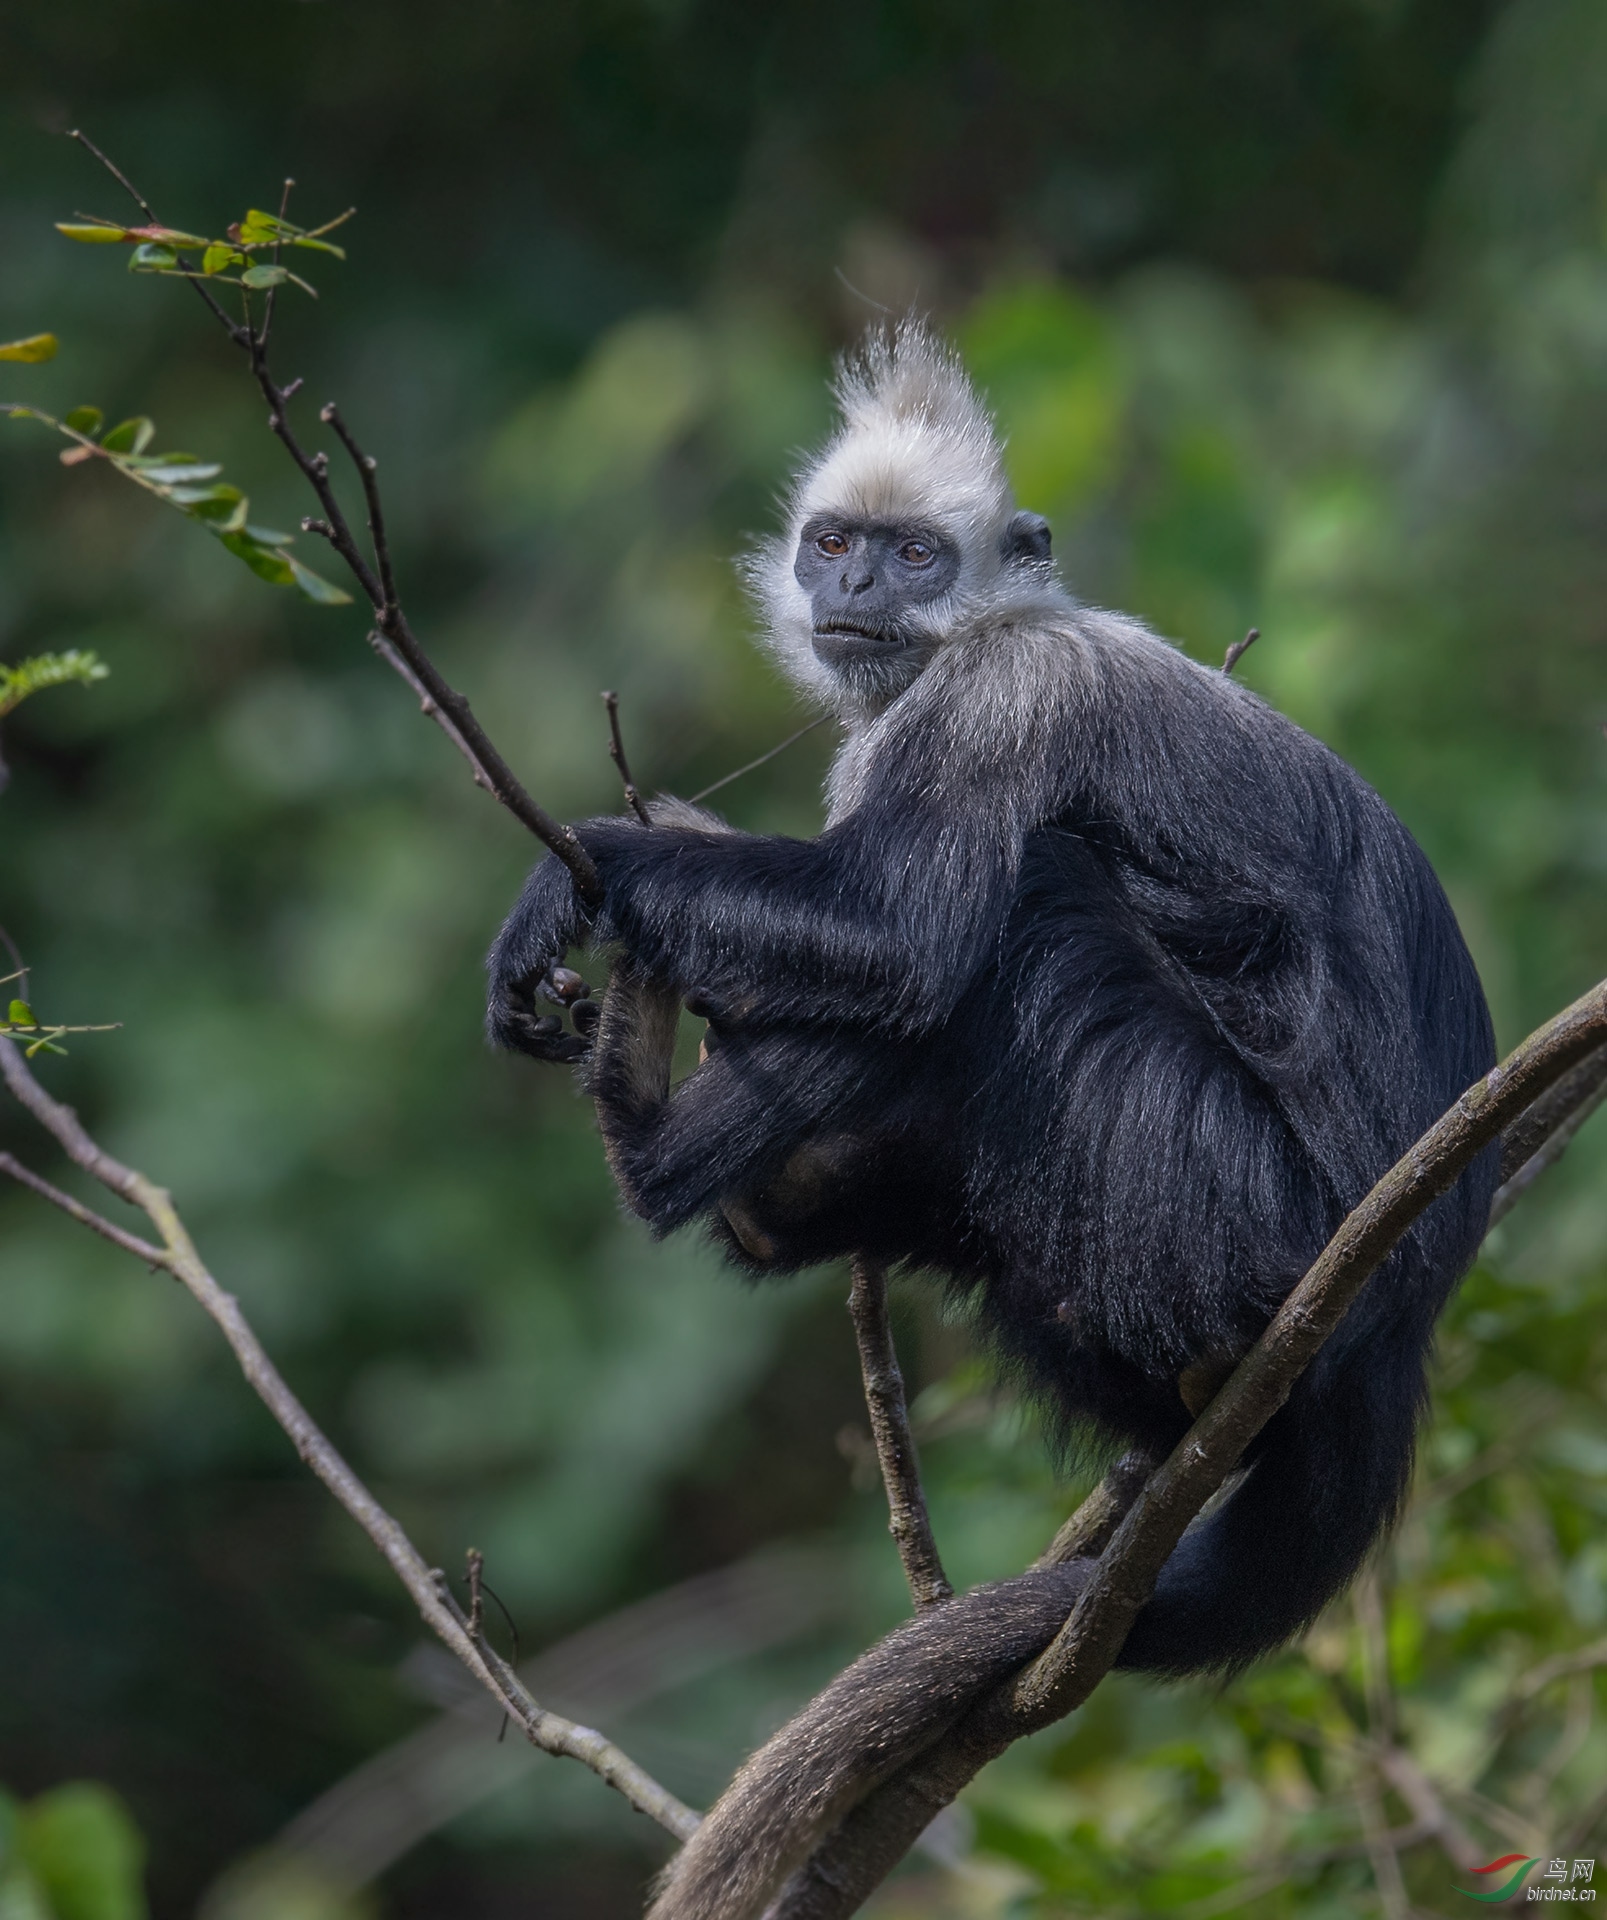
<point x="1296" y="316"/>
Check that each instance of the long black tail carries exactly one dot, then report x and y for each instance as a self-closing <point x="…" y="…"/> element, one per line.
<point x="1327" y="1477"/>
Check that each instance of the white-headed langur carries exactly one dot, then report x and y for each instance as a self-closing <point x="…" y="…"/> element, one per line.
<point x="1104" y="994"/>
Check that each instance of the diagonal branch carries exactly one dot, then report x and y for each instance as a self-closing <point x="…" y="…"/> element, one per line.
<point x="1539" y="1137"/>
<point x="870" y="1841"/>
<point x="908" y="1521"/>
<point x="426" y="1585"/>
<point x="85" y="1216"/>
<point x="377" y="580"/>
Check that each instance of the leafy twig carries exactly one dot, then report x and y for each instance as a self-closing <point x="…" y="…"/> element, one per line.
<point x="374" y="578"/>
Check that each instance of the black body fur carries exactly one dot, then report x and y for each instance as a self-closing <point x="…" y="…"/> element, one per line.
<point x="1106" y="995"/>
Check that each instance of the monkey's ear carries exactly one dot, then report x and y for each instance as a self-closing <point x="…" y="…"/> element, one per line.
<point x="1026" y="537"/>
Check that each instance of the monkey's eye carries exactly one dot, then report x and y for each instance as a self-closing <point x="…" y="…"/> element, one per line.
<point x="833" y="545"/>
<point x="916" y="553"/>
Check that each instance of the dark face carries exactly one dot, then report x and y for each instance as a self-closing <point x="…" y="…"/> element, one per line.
<point x="865" y="581"/>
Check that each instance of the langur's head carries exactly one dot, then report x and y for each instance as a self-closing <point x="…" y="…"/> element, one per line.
<point x="901" y="534"/>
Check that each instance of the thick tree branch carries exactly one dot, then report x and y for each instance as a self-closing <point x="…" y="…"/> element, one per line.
<point x="427" y="1586"/>
<point x="908" y="1521"/>
<point x="875" y="1836"/>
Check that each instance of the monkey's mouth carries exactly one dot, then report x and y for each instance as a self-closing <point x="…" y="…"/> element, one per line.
<point x="853" y="636"/>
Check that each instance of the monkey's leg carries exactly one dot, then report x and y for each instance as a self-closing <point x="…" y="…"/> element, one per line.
<point x="629" y="1078"/>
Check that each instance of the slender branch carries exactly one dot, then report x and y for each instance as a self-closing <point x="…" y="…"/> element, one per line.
<point x="1089" y="1529"/>
<point x="429" y="708"/>
<point x="908" y="1521"/>
<point x="877" y="1834"/>
<point x="86" y="1216"/>
<point x="1539" y="1137"/>
<point x="367" y="469"/>
<point x="1239" y="649"/>
<point x="1381" y="1856"/>
<point x="1559" y="1667"/>
<point x="268" y="305"/>
<point x="19" y="965"/>
<point x="427" y="1586"/>
<point x="616" y="753"/>
<point x="780" y="747"/>
<point x="378" y="584"/>
<point x="1428" y="1810"/>
<point x="240" y="335"/>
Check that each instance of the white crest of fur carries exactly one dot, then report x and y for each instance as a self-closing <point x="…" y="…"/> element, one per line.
<point x="916" y="444"/>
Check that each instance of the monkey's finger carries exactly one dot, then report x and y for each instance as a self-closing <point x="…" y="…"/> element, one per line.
<point x="562" y="986"/>
<point x="541" y="1039"/>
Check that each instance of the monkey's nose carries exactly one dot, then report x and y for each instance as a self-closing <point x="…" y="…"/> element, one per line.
<point x="858" y="586"/>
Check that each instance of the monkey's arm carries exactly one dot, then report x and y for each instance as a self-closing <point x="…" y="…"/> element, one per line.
<point x="546" y="922"/>
<point x="881" y="922"/>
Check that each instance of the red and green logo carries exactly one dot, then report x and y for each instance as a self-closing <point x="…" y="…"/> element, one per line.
<point x="1520" y="1863"/>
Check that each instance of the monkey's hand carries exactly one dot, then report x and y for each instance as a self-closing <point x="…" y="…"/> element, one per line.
<point x="526" y="961"/>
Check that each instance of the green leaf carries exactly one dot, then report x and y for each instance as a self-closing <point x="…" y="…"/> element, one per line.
<point x="267" y="537"/>
<point x="152" y="258"/>
<point x="177" y="478"/>
<point x="262" y="561"/>
<point x="85" y="420"/>
<point x="259" y="229"/>
<point x="319" y="246"/>
<point x="37" y="347"/>
<point x="316" y="587"/>
<point x="75" y="667"/>
<point x="222" y="508"/>
<point x="129" y="436"/>
<point x="20" y="1014"/>
<point x="219" y="256"/>
<point x="86" y="1853"/>
<point x="265" y="276"/>
<point x="98" y="234"/>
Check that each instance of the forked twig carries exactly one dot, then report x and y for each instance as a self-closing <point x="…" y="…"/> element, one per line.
<point x="427" y="1585"/>
<point x="908" y="1521"/>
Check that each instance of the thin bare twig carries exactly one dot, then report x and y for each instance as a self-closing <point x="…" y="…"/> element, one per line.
<point x="86" y="1216"/>
<point x="908" y="1521"/>
<point x="1239" y="649"/>
<point x="616" y="753"/>
<point x="426" y="1585"/>
<point x="1089" y="1529"/>
<point x="476" y="1620"/>
<point x="1539" y="1138"/>
<point x="236" y="332"/>
<point x="780" y="747"/>
<point x="1381" y="1856"/>
<point x="19" y="965"/>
